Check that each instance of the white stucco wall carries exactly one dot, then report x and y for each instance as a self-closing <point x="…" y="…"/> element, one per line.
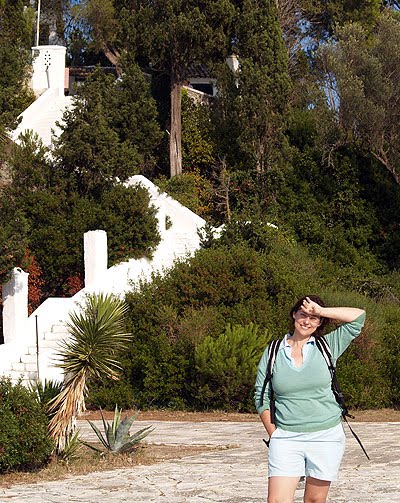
<point x="15" y="306"/>
<point x="48" y="68"/>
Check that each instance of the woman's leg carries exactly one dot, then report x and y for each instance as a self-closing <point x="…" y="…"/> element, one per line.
<point x="282" y="489"/>
<point x="316" y="490"/>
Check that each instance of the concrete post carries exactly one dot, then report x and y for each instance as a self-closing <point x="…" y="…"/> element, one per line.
<point x="96" y="253"/>
<point x="15" y="306"/>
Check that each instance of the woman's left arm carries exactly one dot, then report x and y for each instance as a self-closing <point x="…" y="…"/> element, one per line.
<point x="348" y="330"/>
<point x="343" y="314"/>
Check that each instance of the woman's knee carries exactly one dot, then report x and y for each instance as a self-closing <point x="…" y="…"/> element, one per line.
<point x="282" y="489"/>
<point x="316" y="491"/>
<point x="277" y="499"/>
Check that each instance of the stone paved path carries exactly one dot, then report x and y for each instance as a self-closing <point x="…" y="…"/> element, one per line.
<point x="237" y="475"/>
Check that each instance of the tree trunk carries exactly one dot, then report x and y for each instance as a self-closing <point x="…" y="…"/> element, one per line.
<point x="113" y="57"/>
<point x="175" y="140"/>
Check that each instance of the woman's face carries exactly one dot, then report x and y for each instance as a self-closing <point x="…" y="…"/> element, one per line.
<point x="305" y="324"/>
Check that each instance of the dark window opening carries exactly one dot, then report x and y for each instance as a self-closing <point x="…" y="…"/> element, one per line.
<point x="204" y="88"/>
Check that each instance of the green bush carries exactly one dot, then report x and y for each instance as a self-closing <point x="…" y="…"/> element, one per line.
<point x="108" y="396"/>
<point x="368" y="370"/>
<point x="191" y="189"/>
<point x="254" y="280"/>
<point x="226" y="368"/>
<point x="24" y="442"/>
<point x="160" y="372"/>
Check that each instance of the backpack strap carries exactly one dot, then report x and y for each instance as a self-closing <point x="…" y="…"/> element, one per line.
<point x="273" y="348"/>
<point x="323" y="346"/>
<point x="325" y="350"/>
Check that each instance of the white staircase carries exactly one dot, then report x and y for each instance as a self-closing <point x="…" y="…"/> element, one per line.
<point x="25" y="369"/>
<point x="179" y="241"/>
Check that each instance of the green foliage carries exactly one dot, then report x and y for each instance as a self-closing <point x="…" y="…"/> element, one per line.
<point x="226" y="368"/>
<point x="72" y="448"/>
<point x="16" y="29"/>
<point x="168" y="29"/>
<point x="369" y="369"/>
<point x="130" y="221"/>
<point x="51" y="218"/>
<point x="190" y="189"/>
<point x="111" y="132"/>
<point x="367" y="89"/>
<point x="324" y="16"/>
<point x="24" y="440"/>
<point x="13" y="237"/>
<point x="252" y="274"/>
<point x="46" y="391"/>
<point x="198" y="148"/>
<point x="106" y="394"/>
<point x="116" y="437"/>
<point x="253" y="101"/>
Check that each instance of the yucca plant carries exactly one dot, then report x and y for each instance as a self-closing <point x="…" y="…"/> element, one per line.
<point x="97" y="335"/>
<point x="116" y="437"/>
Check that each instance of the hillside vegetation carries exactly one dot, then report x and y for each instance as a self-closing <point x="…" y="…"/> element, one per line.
<point x="303" y="136"/>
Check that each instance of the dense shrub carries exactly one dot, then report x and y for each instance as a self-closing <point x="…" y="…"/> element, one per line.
<point x="179" y="358"/>
<point x="108" y="396"/>
<point x="24" y="442"/>
<point x="226" y="368"/>
<point x="367" y="370"/>
<point x="190" y="189"/>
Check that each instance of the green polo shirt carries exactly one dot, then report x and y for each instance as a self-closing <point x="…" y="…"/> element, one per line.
<point x="304" y="400"/>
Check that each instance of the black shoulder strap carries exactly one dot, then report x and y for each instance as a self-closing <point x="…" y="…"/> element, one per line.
<point x="273" y="348"/>
<point x="323" y="346"/>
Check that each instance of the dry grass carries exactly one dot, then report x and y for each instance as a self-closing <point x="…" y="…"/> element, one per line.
<point x="378" y="415"/>
<point x="88" y="461"/>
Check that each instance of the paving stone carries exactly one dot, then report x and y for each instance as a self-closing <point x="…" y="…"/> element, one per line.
<point x="236" y="475"/>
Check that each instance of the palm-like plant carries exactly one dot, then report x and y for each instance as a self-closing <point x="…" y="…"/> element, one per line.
<point x="116" y="437"/>
<point x="97" y="335"/>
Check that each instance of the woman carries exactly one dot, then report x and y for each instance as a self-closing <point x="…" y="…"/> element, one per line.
<point x="306" y="437"/>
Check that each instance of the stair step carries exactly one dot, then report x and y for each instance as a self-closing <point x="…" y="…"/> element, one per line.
<point x="30" y="367"/>
<point x="25" y="377"/>
<point x="53" y="336"/>
<point x="18" y="367"/>
<point x="26" y="358"/>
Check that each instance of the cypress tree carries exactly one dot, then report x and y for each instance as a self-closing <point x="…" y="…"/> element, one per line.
<point x="16" y="28"/>
<point x="254" y="100"/>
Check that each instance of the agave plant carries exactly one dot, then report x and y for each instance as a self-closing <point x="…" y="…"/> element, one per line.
<point x="116" y="437"/>
<point x="97" y="336"/>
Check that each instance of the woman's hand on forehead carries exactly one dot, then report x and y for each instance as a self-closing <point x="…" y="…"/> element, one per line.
<point x="311" y="307"/>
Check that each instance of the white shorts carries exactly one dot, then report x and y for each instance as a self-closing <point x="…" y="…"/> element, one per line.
<point x="315" y="454"/>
